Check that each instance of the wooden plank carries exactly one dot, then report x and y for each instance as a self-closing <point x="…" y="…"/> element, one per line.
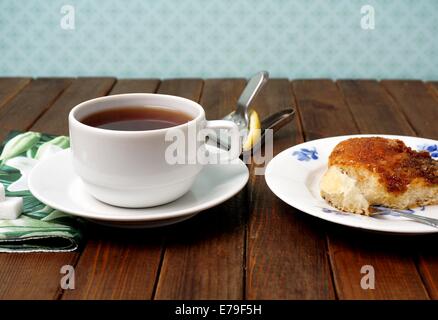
<point x="396" y="276"/>
<point x="417" y="102"/>
<point x="9" y="87"/>
<point x="328" y="114"/>
<point x="187" y="88"/>
<point x="23" y="110"/>
<point x="45" y="284"/>
<point x="433" y="86"/>
<point x="31" y="275"/>
<point x="373" y="110"/>
<point x="55" y="120"/>
<point x="135" y="86"/>
<point x="286" y="250"/>
<point x="428" y="265"/>
<point x="119" y="264"/>
<point x="428" y="261"/>
<point x="204" y="256"/>
<point x="321" y="109"/>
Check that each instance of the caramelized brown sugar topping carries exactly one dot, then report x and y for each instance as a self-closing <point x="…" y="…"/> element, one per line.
<point x="396" y="164"/>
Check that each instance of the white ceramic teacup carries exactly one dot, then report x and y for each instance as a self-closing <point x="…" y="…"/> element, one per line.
<point x="129" y="168"/>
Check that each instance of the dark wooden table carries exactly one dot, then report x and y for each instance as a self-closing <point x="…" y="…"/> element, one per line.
<point x="253" y="246"/>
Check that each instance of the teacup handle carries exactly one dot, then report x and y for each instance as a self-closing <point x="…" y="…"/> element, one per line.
<point x="235" y="148"/>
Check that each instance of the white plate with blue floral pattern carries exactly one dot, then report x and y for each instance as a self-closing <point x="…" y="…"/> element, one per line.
<point x="294" y="175"/>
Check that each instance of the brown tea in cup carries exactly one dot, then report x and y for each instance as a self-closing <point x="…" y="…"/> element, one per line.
<point x="136" y="118"/>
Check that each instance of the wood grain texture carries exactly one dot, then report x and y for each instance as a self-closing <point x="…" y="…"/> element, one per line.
<point x="204" y="256"/>
<point x="9" y="87"/>
<point x="253" y="246"/>
<point x="286" y="250"/>
<point x="55" y="120"/>
<point x="428" y="264"/>
<point x="396" y="276"/>
<point x="25" y="108"/>
<point x="31" y="275"/>
<point x="428" y="258"/>
<point x="322" y="109"/>
<point x="187" y="88"/>
<point x="396" y="273"/>
<point x="119" y="264"/>
<point x="135" y="86"/>
<point x="417" y="102"/>
<point x="373" y="109"/>
<point x="433" y="86"/>
<point x="43" y="270"/>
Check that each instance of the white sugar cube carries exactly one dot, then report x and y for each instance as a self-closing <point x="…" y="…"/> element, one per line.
<point x="2" y="192"/>
<point x="11" y="208"/>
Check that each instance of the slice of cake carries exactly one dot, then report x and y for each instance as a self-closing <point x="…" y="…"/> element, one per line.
<point x="363" y="172"/>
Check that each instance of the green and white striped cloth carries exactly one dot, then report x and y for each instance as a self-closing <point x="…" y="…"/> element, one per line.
<point x="39" y="228"/>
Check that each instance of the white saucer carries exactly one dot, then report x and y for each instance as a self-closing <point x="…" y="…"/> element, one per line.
<point x="294" y="176"/>
<point x="54" y="183"/>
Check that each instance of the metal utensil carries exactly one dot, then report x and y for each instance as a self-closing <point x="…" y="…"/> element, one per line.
<point x="240" y="115"/>
<point x="429" y="221"/>
<point x="273" y="122"/>
<point x="253" y="87"/>
<point x="277" y="120"/>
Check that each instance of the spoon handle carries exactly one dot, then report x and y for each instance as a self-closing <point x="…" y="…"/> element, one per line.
<point x="251" y="90"/>
<point x="273" y="122"/>
<point x="278" y="119"/>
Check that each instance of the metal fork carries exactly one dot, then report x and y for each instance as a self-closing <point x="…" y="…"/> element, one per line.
<point x="429" y="221"/>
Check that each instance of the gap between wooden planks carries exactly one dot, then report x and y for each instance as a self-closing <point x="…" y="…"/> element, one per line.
<point x="187" y="269"/>
<point x="37" y="275"/>
<point x="204" y="256"/>
<point x="29" y="276"/>
<point x="419" y="103"/>
<point x="10" y="87"/>
<point x="115" y="263"/>
<point x="286" y="250"/>
<point x="351" y="107"/>
<point x="255" y="281"/>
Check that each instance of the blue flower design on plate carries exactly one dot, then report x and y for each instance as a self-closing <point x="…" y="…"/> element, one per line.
<point x="431" y="148"/>
<point x="337" y="212"/>
<point x="305" y="154"/>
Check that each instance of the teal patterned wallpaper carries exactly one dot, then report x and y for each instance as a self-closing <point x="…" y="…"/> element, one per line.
<point x="219" y="38"/>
